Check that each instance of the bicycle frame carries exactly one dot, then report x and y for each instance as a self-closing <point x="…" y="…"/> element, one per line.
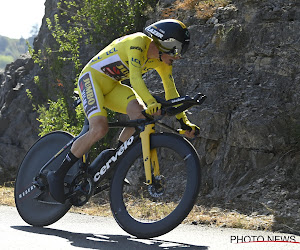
<point x="146" y="128"/>
<point x="150" y="156"/>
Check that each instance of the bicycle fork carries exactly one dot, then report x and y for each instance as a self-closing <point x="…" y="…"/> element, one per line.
<point x="149" y="155"/>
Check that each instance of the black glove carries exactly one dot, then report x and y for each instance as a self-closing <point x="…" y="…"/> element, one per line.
<point x="186" y="124"/>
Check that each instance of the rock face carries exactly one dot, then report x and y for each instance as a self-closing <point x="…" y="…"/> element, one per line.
<point x="17" y="119"/>
<point x="246" y="60"/>
<point x="18" y="124"/>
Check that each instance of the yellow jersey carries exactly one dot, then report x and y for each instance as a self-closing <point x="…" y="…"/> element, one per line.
<point x="126" y="58"/>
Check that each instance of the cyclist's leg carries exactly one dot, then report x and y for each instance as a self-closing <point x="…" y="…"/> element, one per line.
<point x="92" y="96"/>
<point x="124" y="99"/>
<point x="92" y="99"/>
<point x="98" y="127"/>
<point x="134" y="111"/>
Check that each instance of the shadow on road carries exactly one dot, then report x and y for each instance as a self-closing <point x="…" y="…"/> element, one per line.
<point x="95" y="241"/>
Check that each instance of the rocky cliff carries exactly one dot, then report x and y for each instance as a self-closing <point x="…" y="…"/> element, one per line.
<point x="246" y="60"/>
<point x="18" y="124"/>
<point x="17" y="119"/>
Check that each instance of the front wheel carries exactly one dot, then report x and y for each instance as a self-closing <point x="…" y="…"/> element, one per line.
<point x="147" y="211"/>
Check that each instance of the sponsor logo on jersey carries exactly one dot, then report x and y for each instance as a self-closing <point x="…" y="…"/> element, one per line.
<point x="88" y="95"/>
<point x="114" y="158"/>
<point x="113" y="50"/>
<point x="137" y="48"/>
<point x="116" y="70"/>
<point x="96" y="59"/>
<point x="147" y="69"/>
<point x="112" y="67"/>
<point x="135" y="62"/>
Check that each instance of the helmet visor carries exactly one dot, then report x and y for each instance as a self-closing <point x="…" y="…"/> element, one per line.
<point x="171" y="46"/>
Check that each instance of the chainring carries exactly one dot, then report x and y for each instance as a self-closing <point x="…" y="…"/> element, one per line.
<point x="81" y="189"/>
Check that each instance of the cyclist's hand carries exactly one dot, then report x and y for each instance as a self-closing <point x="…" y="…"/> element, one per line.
<point x="153" y="108"/>
<point x="191" y="134"/>
<point x="190" y="129"/>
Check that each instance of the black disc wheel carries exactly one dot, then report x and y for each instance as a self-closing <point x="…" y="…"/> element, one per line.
<point x="35" y="205"/>
<point x="147" y="211"/>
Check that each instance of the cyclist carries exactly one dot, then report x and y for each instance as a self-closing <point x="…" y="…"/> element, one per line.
<point x="100" y="86"/>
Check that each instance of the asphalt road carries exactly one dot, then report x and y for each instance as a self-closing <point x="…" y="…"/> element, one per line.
<point x="76" y="231"/>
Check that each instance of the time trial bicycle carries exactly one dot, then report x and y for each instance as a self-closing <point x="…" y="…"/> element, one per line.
<point x="153" y="178"/>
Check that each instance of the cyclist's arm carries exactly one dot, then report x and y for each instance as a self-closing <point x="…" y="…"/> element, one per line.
<point x="165" y="72"/>
<point x="136" y="58"/>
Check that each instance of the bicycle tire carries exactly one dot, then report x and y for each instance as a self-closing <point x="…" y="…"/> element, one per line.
<point x="138" y="220"/>
<point x="38" y="208"/>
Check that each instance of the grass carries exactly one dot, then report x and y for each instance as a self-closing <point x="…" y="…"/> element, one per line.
<point x="228" y="218"/>
<point x="200" y="215"/>
<point x="7" y="195"/>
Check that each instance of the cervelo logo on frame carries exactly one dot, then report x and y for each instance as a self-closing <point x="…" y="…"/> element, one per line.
<point x="114" y="158"/>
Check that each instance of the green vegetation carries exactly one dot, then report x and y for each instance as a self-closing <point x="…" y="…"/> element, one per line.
<point x="11" y="49"/>
<point x="55" y="117"/>
<point x="5" y="60"/>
